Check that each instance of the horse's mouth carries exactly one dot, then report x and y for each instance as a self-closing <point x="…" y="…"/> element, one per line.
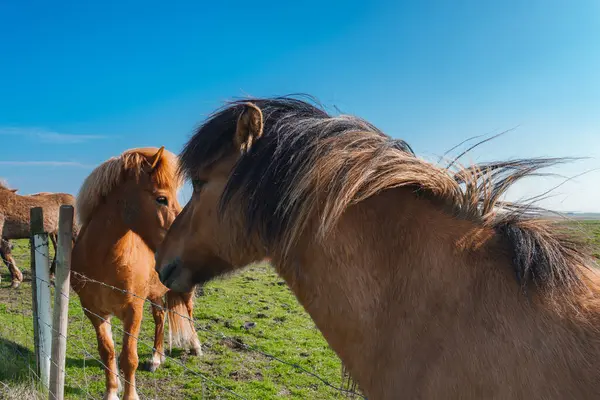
<point x="167" y="271"/>
<point x="175" y="277"/>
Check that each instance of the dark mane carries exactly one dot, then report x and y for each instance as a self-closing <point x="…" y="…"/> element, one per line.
<point x="214" y="138"/>
<point x="310" y="164"/>
<point x="294" y="132"/>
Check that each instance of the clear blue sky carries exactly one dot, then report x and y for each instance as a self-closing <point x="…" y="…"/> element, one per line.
<point x="83" y="81"/>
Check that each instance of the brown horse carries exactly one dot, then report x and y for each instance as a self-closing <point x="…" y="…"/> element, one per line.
<point x="125" y="207"/>
<point x="15" y="223"/>
<point x="423" y="282"/>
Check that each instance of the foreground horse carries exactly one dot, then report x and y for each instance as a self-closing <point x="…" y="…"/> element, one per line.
<point x="415" y="277"/>
<point x="125" y="207"/>
<point x="15" y="222"/>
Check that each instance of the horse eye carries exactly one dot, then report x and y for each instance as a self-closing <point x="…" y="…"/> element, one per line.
<point x="198" y="184"/>
<point x="162" y="200"/>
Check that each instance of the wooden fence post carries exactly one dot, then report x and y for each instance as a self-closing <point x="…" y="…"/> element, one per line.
<point x="60" y="317"/>
<point x="36" y="224"/>
<point x="41" y="295"/>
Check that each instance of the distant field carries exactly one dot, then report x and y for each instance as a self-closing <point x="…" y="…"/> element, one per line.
<point x="281" y="329"/>
<point x="591" y="230"/>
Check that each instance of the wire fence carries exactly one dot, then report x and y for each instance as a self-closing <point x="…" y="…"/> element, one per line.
<point x="18" y="375"/>
<point x="180" y="376"/>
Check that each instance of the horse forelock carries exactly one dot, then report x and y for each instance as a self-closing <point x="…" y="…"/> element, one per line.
<point x="115" y="171"/>
<point x="308" y="164"/>
<point x="277" y="177"/>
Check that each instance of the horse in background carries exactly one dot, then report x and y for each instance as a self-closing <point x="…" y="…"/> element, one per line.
<point x="125" y="207"/>
<point x="420" y="278"/>
<point x="15" y="222"/>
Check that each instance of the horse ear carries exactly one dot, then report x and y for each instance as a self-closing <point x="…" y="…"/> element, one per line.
<point x="14" y="190"/>
<point x="156" y="158"/>
<point x="249" y="127"/>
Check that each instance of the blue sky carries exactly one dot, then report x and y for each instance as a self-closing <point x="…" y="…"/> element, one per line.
<point x="82" y="81"/>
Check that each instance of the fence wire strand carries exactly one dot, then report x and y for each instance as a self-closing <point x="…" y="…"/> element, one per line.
<point x="11" y="334"/>
<point x="78" y="343"/>
<point x="221" y="336"/>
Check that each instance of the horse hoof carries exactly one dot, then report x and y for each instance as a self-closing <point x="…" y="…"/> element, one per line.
<point x="196" y="351"/>
<point x="150" y="366"/>
<point x="110" y="396"/>
<point x="15" y="284"/>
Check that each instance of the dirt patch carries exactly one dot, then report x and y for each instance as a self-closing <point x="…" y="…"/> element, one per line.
<point x="234" y="344"/>
<point x="245" y="375"/>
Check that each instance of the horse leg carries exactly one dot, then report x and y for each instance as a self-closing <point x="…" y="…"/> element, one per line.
<point x="158" y="353"/>
<point x="53" y="238"/>
<point x="106" y="349"/>
<point x="189" y="304"/>
<point x="128" y="359"/>
<point x="6" y="255"/>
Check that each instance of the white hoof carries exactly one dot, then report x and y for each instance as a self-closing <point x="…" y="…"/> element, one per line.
<point x="196" y="350"/>
<point x="110" y="396"/>
<point x="132" y="396"/>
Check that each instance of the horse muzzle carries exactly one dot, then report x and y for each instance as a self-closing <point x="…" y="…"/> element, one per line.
<point x="174" y="276"/>
<point x="165" y="272"/>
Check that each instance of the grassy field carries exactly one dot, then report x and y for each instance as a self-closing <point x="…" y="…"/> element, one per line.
<point x="592" y="230"/>
<point x="281" y="328"/>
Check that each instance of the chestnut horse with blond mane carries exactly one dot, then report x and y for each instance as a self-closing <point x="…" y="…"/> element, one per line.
<point x="125" y="207"/>
<point x="423" y="282"/>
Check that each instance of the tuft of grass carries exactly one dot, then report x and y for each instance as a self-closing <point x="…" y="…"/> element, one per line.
<point x="21" y="391"/>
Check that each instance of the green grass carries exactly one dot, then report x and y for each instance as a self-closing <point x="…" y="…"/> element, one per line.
<point x="592" y="231"/>
<point x="282" y="329"/>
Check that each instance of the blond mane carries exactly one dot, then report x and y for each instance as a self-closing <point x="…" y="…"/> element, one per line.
<point x="310" y="165"/>
<point x="116" y="170"/>
<point x="4" y="184"/>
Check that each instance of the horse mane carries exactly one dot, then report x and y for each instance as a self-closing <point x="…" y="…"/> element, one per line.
<point x="113" y="172"/>
<point x="309" y="164"/>
<point x="4" y="184"/>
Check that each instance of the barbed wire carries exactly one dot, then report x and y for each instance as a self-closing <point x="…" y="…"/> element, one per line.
<point x="27" y="325"/>
<point x="219" y="335"/>
<point x="202" y="376"/>
<point x="13" y="341"/>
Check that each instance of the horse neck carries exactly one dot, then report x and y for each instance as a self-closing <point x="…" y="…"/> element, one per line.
<point x="107" y="236"/>
<point x="121" y="213"/>
<point x="374" y="268"/>
<point x="398" y="274"/>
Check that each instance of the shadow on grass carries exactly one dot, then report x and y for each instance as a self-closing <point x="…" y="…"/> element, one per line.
<point x="18" y="365"/>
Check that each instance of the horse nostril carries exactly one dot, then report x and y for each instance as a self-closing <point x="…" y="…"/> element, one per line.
<point x="165" y="272"/>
